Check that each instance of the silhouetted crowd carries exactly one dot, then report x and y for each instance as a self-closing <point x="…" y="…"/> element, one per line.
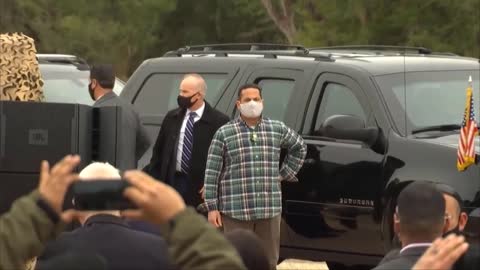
<point x="428" y="222"/>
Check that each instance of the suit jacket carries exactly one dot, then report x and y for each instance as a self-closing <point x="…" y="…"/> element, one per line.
<point x="134" y="140"/>
<point x="164" y="157"/>
<point x="111" y="238"/>
<point x="404" y="260"/>
<point x="392" y="254"/>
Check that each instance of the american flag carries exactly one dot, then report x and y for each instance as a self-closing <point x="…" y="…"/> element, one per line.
<point x="468" y="132"/>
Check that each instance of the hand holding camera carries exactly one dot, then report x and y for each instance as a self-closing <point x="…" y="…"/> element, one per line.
<point x="141" y="196"/>
<point x="157" y="202"/>
<point x="55" y="182"/>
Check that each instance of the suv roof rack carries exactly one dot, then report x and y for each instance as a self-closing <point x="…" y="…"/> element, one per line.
<point x="78" y="62"/>
<point x="243" y="46"/>
<point x="363" y="48"/>
<point x="267" y="50"/>
<point x="445" y="53"/>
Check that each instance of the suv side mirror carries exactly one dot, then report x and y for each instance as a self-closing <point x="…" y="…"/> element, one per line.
<point x="348" y="127"/>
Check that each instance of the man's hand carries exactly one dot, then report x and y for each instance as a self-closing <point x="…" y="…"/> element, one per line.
<point x="215" y="218"/>
<point x="442" y="254"/>
<point x="157" y="202"/>
<point x="54" y="183"/>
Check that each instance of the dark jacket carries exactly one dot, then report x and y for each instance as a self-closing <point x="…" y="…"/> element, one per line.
<point x="392" y="254"/>
<point x="164" y="157"/>
<point x="25" y="229"/>
<point x="111" y="238"/>
<point x="404" y="260"/>
<point x="28" y="225"/>
<point x="133" y="140"/>
<point x="471" y="258"/>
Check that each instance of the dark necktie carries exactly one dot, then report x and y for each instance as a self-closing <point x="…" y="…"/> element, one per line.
<point x="188" y="143"/>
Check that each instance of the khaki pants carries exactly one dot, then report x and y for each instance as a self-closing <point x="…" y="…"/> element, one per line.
<point x="268" y="230"/>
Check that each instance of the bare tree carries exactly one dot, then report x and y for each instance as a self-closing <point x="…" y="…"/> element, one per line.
<point x="283" y="17"/>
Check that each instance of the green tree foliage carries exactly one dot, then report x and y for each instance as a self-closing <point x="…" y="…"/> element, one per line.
<point x="442" y="25"/>
<point x="117" y="31"/>
<point x="125" y="32"/>
<point x="218" y="21"/>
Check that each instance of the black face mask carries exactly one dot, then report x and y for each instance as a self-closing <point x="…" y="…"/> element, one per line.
<point x="90" y="91"/>
<point x="455" y="230"/>
<point x="185" y="102"/>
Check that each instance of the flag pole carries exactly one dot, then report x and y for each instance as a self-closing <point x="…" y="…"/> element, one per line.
<point x="469" y="110"/>
<point x="475" y="159"/>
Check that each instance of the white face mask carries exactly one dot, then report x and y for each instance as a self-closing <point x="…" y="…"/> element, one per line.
<point x="251" y="109"/>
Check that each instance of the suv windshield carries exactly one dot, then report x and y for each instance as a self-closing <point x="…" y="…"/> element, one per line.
<point x="419" y="100"/>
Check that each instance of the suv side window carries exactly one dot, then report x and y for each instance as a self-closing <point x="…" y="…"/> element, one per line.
<point x="159" y="93"/>
<point x="276" y="94"/>
<point x="338" y="99"/>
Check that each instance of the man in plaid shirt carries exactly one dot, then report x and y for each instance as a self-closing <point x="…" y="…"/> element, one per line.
<point x="242" y="177"/>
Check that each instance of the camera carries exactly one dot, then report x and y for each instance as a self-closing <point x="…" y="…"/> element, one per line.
<point x="100" y="194"/>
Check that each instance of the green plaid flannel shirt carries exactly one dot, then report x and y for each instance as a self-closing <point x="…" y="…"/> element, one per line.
<point x="242" y="177"/>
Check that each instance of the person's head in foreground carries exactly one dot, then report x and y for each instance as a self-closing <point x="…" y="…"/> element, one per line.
<point x="455" y="217"/>
<point x="98" y="171"/>
<point x="420" y="214"/>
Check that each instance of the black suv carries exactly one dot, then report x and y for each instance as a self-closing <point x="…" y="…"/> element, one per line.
<point x="375" y="118"/>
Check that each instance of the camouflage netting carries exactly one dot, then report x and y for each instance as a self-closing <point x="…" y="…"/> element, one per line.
<point x="19" y="73"/>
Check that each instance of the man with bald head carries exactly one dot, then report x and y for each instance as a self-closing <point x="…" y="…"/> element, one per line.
<point x="180" y="153"/>
<point x="456" y="218"/>
<point x="455" y="221"/>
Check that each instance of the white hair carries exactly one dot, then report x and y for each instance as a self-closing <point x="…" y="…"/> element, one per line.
<point x="99" y="170"/>
<point x="94" y="171"/>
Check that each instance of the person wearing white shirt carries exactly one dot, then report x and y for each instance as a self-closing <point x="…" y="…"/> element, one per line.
<point x="198" y="114"/>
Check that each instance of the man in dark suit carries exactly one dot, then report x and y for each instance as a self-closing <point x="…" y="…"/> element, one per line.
<point x="107" y="235"/>
<point x="180" y="152"/>
<point x="456" y="220"/>
<point x="419" y="219"/>
<point x="133" y="140"/>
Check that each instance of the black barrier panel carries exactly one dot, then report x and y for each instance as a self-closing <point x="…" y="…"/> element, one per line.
<point x="106" y="134"/>
<point x="31" y="132"/>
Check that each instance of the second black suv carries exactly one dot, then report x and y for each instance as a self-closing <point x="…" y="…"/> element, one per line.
<point x="375" y="118"/>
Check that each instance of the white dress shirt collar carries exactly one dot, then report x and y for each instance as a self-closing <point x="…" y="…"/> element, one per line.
<point x="199" y="111"/>
<point x="415" y="245"/>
